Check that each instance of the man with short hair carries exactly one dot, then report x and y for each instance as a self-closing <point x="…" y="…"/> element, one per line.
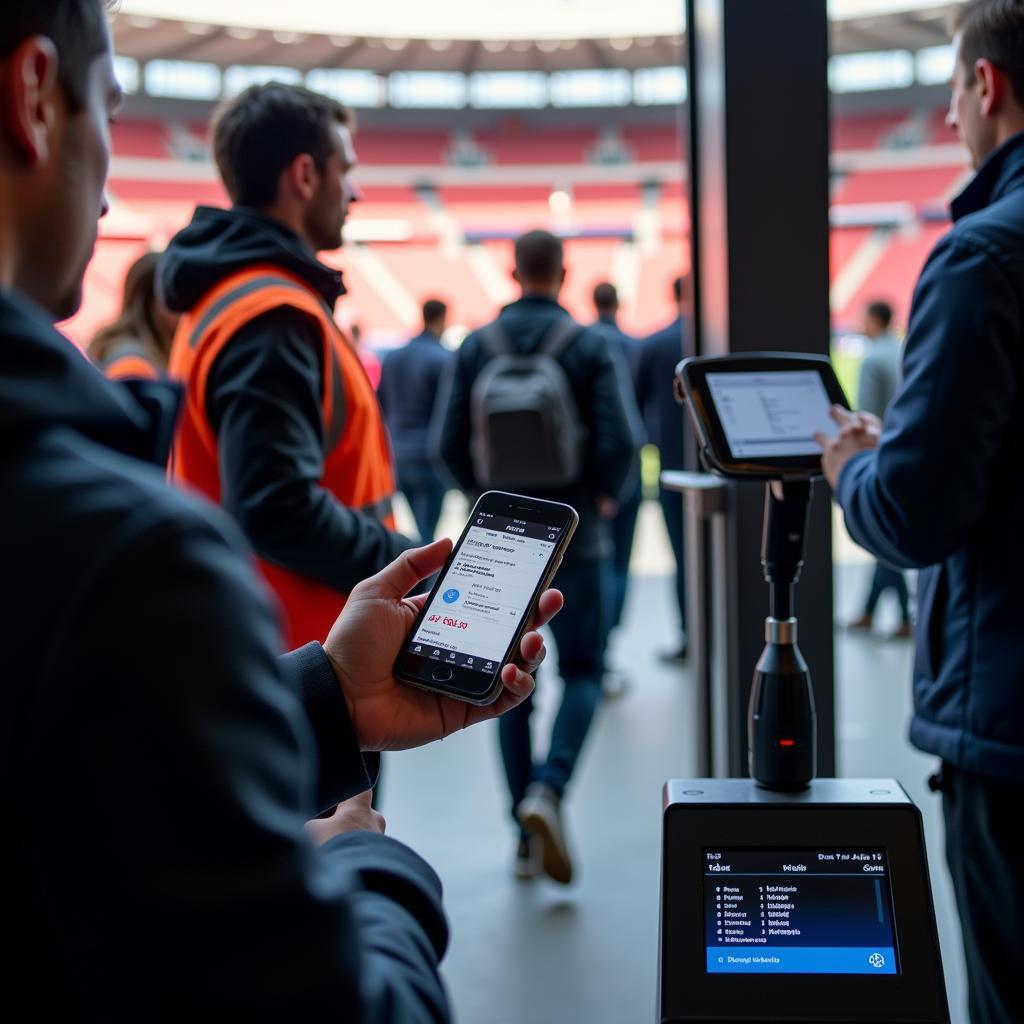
<point x="663" y="417"/>
<point x="623" y="522"/>
<point x="940" y="489"/>
<point x="522" y="328"/>
<point x="879" y="380"/>
<point x="163" y="769"/>
<point x="281" y="425"/>
<point x="409" y="385"/>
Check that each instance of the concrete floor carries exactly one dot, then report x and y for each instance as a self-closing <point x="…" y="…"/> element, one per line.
<point x="536" y="953"/>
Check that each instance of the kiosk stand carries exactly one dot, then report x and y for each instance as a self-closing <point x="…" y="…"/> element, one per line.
<point x="785" y="898"/>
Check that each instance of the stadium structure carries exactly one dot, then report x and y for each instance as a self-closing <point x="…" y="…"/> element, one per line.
<point x="476" y="123"/>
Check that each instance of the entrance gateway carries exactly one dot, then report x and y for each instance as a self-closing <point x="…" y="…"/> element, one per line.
<point x="785" y="897"/>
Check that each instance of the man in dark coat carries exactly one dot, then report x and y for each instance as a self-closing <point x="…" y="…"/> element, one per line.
<point x="163" y="769"/>
<point x="940" y="488"/>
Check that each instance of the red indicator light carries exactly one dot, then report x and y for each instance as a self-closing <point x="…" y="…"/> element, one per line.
<point x="787" y="743"/>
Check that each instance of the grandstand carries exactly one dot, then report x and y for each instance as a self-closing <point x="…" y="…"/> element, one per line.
<point x="445" y="190"/>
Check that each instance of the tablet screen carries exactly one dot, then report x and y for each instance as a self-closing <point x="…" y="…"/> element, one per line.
<point x="818" y="911"/>
<point x="771" y="414"/>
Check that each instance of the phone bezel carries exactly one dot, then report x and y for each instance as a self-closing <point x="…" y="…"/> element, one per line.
<point x="715" y="448"/>
<point x="409" y="667"/>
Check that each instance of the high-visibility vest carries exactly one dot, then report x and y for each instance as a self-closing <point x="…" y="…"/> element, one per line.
<point x="357" y="453"/>
<point x="129" y="362"/>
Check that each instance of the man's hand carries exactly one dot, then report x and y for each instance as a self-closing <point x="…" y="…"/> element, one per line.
<point x="858" y="431"/>
<point x="366" y="639"/>
<point x="352" y="815"/>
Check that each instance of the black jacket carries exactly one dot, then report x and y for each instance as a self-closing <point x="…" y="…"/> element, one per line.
<point x="596" y="377"/>
<point x="157" y="761"/>
<point x="944" y="492"/>
<point x="264" y="404"/>
<point x="410" y="382"/>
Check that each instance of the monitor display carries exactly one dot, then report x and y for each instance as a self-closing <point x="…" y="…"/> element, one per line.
<point x="817" y="911"/>
<point x="771" y="414"/>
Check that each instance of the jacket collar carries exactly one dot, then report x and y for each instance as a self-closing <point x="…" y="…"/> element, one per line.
<point x="1002" y="172"/>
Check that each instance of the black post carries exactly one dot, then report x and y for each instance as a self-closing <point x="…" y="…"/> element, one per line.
<point x="759" y="188"/>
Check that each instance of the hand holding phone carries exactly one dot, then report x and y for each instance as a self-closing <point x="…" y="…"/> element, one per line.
<point x="374" y="626"/>
<point x="486" y="596"/>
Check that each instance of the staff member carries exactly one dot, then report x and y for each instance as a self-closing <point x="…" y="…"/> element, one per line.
<point x="281" y="424"/>
<point x="941" y="489"/>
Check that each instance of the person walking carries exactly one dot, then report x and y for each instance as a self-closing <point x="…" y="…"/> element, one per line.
<point x="536" y="327"/>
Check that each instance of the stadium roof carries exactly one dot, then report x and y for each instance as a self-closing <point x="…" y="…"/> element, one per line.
<point x="469" y="35"/>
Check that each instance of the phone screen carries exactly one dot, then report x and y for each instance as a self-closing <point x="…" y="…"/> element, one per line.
<point x="480" y="602"/>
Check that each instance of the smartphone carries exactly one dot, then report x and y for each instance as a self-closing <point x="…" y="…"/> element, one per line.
<point x="485" y="596"/>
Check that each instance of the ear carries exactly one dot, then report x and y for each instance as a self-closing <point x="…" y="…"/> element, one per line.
<point x="516" y="277"/>
<point x="301" y="177"/>
<point x="31" y="98"/>
<point x="993" y="86"/>
<point x="561" y="277"/>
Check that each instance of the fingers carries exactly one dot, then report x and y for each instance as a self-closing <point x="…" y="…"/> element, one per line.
<point x="408" y="569"/>
<point x="842" y="417"/>
<point x="532" y="652"/>
<point x="549" y="605"/>
<point x="822" y="440"/>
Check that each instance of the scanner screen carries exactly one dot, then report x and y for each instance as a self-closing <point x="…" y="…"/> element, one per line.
<point x="811" y="911"/>
<point x="771" y="414"/>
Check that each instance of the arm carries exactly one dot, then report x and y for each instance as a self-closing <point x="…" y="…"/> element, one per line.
<point x="915" y="501"/>
<point x="165" y="803"/>
<point x="451" y="428"/>
<point x="264" y="405"/>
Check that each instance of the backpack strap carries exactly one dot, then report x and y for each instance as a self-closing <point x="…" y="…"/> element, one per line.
<point x="560" y="336"/>
<point x="494" y="340"/>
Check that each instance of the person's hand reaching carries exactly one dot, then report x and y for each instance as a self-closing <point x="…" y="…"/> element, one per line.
<point x="858" y="431"/>
<point x="369" y="633"/>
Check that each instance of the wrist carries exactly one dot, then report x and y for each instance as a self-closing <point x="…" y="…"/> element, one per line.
<point x="343" y="683"/>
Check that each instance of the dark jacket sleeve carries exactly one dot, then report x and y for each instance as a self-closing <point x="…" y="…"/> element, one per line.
<point x="451" y="428"/>
<point x="343" y="770"/>
<point x="264" y="404"/>
<point x="913" y="501"/>
<point x="615" y="430"/>
<point x="165" y="794"/>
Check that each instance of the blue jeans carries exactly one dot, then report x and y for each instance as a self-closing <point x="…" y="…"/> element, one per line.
<point x="425" y="491"/>
<point x="623" y="527"/>
<point x="579" y="633"/>
<point x="672" y="510"/>
<point x="885" y="578"/>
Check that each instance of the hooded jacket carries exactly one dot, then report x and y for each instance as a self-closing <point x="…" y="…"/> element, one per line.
<point x="158" y="760"/>
<point x="264" y="403"/>
<point x="944" y="491"/>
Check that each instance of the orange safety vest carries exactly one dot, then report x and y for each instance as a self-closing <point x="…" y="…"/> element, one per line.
<point x="130" y="362"/>
<point x="357" y="458"/>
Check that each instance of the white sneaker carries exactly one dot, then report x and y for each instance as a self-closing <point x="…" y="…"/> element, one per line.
<point x="540" y="814"/>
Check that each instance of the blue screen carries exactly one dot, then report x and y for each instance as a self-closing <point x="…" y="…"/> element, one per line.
<point x="820" y="911"/>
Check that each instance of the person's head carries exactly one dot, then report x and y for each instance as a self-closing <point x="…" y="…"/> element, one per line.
<point x="288" y="152"/>
<point x="540" y="266"/>
<point x="57" y="96"/>
<point x="606" y="299"/>
<point x="144" y="320"/>
<point x="435" y="316"/>
<point x="877" y="319"/>
<point x="986" y="103"/>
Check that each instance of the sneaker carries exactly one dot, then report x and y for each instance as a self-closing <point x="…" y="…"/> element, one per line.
<point x="905" y="632"/>
<point x="614" y="684"/>
<point x="865" y="622"/>
<point x="527" y="859"/>
<point x="540" y="814"/>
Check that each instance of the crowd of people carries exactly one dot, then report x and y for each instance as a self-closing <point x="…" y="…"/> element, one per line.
<point x="188" y="763"/>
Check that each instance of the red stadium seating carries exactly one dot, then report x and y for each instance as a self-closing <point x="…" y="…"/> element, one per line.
<point x="864" y="131"/>
<point x="653" y="143"/>
<point x="843" y="243"/>
<point x="529" y="146"/>
<point x="918" y="185"/>
<point x="140" y="138"/>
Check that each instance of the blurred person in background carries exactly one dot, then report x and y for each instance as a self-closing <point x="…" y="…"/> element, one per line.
<point x="536" y="324"/>
<point x="623" y="521"/>
<point x="940" y="489"/>
<point x="663" y="417"/>
<point x="409" y="387"/>
<point x="281" y="424"/>
<point x="879" y="381"/>
<point x="144" y="706"/>
<point x="138" y="342"/>
<point x="371" y="364"/>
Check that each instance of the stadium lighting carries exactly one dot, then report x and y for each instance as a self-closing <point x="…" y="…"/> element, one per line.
<point x="126" y="71"/>
<point x="495" y="45"/>
<point x="548" y="45"/>
<point x="287" y="38"/>
<point x="560" y="202"/>
<point x="244" y="34"/>
<point x="341" y="42"/>
<point x="198" y="29"/>
<point x="182" y="79"/>
<point x="522" y="45"/>
<point x="396" y="45"/>
<point x="241" y="76"/>
<point x="625" y="43"/>
<point x="439" y="45"/>
<point x="934" y="64"/>
<point x="863" y="72"/>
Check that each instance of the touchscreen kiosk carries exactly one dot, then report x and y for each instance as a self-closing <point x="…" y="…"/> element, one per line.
<point x="756" y="416"/>
<point x="812" y="906"/>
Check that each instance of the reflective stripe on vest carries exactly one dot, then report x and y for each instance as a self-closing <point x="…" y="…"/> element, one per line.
<point x="357" y="456"/>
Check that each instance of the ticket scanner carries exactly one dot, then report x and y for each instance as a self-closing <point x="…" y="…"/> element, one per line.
<point x="785" y="897"/>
